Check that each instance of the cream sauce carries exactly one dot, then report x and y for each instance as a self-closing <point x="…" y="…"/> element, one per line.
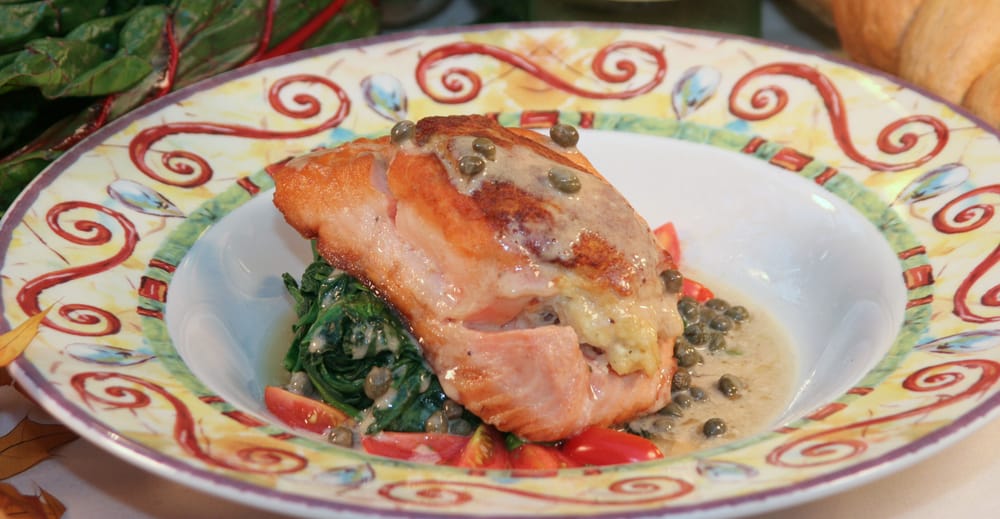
<point x="759" y="353"/>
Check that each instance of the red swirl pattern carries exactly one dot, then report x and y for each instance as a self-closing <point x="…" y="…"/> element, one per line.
<point x="463" y="84"/>
<point x="968" y="219"/>
<point x="814" y="450"/>
<point x="196" y="169"/>
<point x="135" y="396"/>
<point x="91" y="234"/>
<point x="768" y="101"/>
<point x="631" y="491"/>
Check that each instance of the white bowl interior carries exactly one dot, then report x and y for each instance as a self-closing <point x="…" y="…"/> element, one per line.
<point x="823" y="271"/>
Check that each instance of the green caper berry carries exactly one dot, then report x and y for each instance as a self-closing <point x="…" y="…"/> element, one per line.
<point x="564" y="180"/>
<point x="697" y="393"/>
<point x="377" y="382"/>
<point x="689" y="359"/>
<point x="564" y="135"/>
<point x="714" y="427"/>
<point x="721" y="323"/>
<point x="402" y="131"/>
<point x="471" y="165"/>
<point x="684" y="400"/>
<point x="682" y="348"/>
<point x="730" y="386"/>
<point x="484" y="147"/>
<point x="451" y="408"/>
<point x="719" y="305"/>
<point x="689" y="309"/>
<point x="696" y="334"/>
<point x="437" y="422"/>
<point x="681" y="380"/>
<point x="671" y="409"/>
<point x="738" y="313"/>
<point x="341" y="435"/>
<point x="459" y="427"/>
<point x="672" y="280"/>
<point x="716" y="342"/>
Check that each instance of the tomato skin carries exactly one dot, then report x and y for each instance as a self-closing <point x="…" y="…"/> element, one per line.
<point x="666" y="238"/>
<point x="603" y="446"/>
<point x="302" y="412"/>
<point x="486" y="450"/>
<point x="537" y="456"/>
<point x="437" y="448"/>
<point x="699" y="292"/>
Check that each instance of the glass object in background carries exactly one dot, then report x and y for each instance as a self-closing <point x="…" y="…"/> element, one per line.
<point x="730" y="16"/>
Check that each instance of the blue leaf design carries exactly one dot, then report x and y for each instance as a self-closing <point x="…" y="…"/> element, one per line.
<point x="385" y="95"/>
<point x="934" y="182"/>
<point x="725" y="471"/>
<point x="966" y="342"/>
<point x="695" y="87"/>
<point x="143" y="199"/>
<point x="105" y="354"/>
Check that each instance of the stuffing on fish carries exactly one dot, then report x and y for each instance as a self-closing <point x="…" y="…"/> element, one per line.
<point x="531" y="284"/>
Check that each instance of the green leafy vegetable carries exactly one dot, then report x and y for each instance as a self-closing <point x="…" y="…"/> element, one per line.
<point x="343" y="331"/>
<point x="67" y="67"/>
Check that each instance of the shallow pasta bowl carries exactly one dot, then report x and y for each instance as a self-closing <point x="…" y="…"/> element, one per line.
<point x="853" y="208"/>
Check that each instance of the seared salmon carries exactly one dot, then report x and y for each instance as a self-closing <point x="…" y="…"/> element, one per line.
<point x="530" y="283"/>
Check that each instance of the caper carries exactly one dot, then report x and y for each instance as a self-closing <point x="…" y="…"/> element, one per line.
<point x="714" y="427"/>
<point x="721" y="323"/>
<point x="451" y="408"/>
<point x="696" y="334"/>
<point x="564" y="179"/>
<point x="690" y="359"/>
<point x="471" y="165"/>
<point x="671" y="409"/>
<point x="684" y="400"/>
<point x="730" y="386"/>
<point x="681" y="380"/>
<point x="377" y="382"/>
<point x="299" y="383"/>
<point x="402" y="131"/>
<point x="738" y="313"/>
<point x="716" y="342"/>
<point x="672" y="280"/>
<point x="662" y="426"/>
<point x="719" y="305"/>
<point x="689" y="309"/>
<point x="437" y="422"/>
<point x="682" y="348"/>
<point x="564" y="135"/>
<point x="459" y="427"/>
<point x="484" y="147"/>
<point x="341" y="435"/>
<point x="697" y="393"/>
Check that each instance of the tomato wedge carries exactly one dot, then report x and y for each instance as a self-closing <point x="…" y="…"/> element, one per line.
<point x="666" y="238"/>
<point x="537" y="456"/>
<point x="302" y="412"/>
<point x="699" y="292"/>
<point x="603" y="446"/>
<point x="486" y="450"/>
<point x="437" y="448"/>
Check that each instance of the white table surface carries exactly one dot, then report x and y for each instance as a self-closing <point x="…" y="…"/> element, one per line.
<point x="958" y="481"/>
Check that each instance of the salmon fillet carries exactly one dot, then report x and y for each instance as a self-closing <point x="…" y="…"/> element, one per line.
<point x="538" y="306"/>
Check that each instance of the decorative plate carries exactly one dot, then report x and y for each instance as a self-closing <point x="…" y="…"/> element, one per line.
<point x="859" y="210"/>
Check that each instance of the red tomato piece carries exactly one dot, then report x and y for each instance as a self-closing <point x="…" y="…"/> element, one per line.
<point x="486" y="450"/>
<point x="437" y="448"/>
<point x="536" y="456"/>
<point x="666" y="238"/>
<point x="603" y="446"/>
<point x="699" y="292"/>
<point x="302" y="412"/>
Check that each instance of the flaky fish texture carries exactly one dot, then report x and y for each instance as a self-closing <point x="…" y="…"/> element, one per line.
<point x="531" y="284"/>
